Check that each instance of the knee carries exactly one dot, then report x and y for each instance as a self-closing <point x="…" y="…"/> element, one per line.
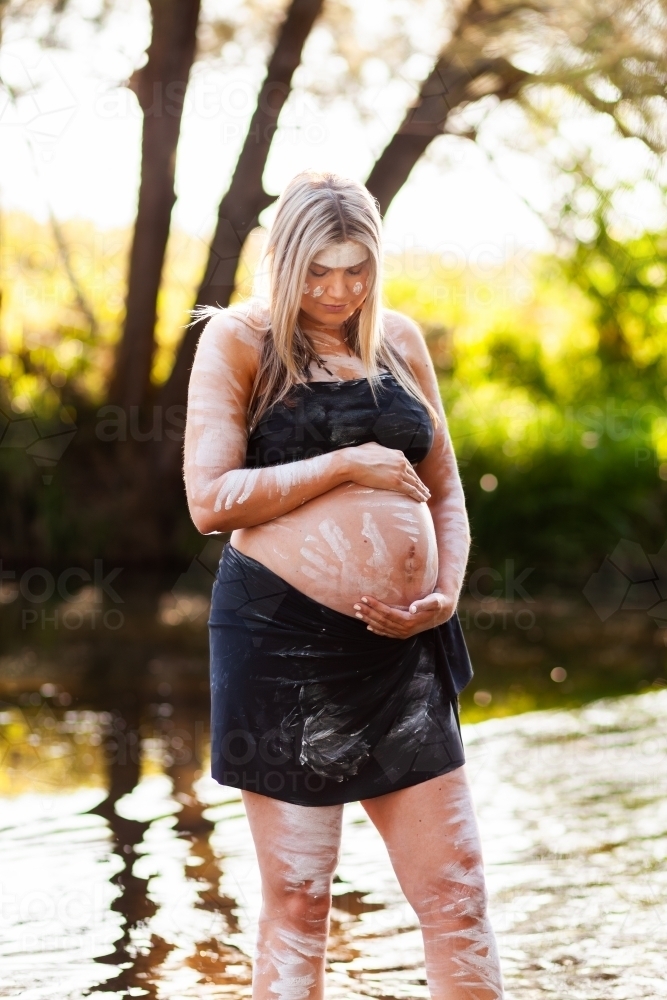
<point x="303" y="903"/>
<point x="456" y="893"/>
<point x="308" y="904"/>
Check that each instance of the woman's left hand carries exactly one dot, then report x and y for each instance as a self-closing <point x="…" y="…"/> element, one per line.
<point x="394" y="623"/>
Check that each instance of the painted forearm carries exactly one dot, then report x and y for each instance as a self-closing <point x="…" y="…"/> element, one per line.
<point x="453" y="536"/>
<point x="243" y="498"/>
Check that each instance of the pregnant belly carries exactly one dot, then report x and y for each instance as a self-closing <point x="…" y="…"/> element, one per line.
<point x="349" y="543"/>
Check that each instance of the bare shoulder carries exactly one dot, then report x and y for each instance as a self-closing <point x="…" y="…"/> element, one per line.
<point x="233" y="337"/>
<point x="406" y="336"/>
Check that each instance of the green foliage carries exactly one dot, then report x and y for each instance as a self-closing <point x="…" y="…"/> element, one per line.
<point x="627" y="284"/>
<point x="552" y="371"/>
<point x="553" y="381"/>
<point x="561" y="510"/>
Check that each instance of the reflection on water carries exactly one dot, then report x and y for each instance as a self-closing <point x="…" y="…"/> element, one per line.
<point x="127" y="872"/>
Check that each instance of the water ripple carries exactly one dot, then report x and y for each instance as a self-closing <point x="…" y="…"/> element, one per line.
<point x="158" y="895"/>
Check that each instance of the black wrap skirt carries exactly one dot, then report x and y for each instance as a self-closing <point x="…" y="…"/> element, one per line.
<point x="309" y="707"/>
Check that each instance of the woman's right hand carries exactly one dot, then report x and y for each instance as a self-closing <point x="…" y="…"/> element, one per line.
<point x="383" y="468"/>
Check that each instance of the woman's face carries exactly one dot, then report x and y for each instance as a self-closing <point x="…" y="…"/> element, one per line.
<point x="336" y="283"/>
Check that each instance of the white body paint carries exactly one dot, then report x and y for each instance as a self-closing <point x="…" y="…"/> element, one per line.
<point x="305" y="845"/>
<point x="461" y="950"/>
<point x="376" y="543"/>
<point x="437" y="856"/>
<point x="349" y="543"/>
<point x="336" y="543"/>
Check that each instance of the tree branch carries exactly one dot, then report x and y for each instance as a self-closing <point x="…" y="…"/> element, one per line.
<point x="449" y="87"/>
<point x="79" y="294"/>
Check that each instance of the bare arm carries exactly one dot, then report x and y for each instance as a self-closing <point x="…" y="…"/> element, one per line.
<point x="222" y="495"/>
<point x="440" y="474"/>
<point x="439" y="471"/>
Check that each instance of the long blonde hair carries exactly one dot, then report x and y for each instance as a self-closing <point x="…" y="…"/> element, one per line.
<point x="314" y="211"/>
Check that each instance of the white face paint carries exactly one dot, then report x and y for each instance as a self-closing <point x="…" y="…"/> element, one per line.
<point x="349" y="253"/>
<point x="357" y="288"/>
<point x="306" y="288"/>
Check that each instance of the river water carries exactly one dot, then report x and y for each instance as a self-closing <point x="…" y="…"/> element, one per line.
<point x="125" y="871"/>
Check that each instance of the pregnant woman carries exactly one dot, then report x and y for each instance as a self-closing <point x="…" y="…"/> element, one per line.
<point x="315" y="435"/>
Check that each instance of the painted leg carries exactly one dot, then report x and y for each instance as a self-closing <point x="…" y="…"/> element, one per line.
<point x="431" y="834"/>
<point x="297" y="850"/>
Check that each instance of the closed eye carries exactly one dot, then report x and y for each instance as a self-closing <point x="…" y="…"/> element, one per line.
<point x="357" y="269"/>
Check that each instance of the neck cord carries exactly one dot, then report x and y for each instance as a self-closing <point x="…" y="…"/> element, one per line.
<point x="320" y="361"/>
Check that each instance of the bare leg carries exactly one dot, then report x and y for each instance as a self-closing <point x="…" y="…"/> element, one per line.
<point x="297" y="850"/>
<point x="433" y="842"/>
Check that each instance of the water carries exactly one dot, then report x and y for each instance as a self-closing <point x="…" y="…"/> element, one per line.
<point x="125" y="871"/>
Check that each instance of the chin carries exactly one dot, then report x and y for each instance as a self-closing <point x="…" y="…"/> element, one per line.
<point x="337" y="317"/>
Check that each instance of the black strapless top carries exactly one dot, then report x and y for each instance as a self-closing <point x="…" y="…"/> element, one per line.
<point x="321" y="417"/>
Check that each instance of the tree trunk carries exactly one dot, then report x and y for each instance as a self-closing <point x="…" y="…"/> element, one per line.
<point x="451" y="83"/>
<point x="160" y="88"/>
<point x="240" y="208"/>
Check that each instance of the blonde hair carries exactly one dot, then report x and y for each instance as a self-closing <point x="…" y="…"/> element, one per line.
<point x="314" y="211"/>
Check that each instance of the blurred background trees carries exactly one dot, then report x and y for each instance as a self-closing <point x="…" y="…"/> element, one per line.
<point x="552" y="366"/>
